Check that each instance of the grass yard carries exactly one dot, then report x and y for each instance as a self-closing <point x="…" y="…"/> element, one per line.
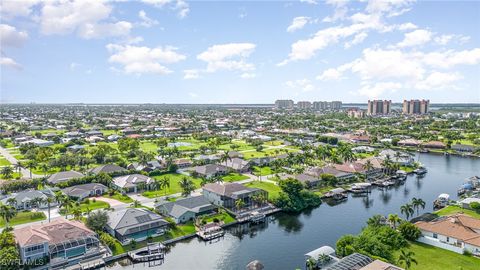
<point x="225" y="217"/>
<point x="262" y="171"/>
<point x="4" y="162"/>
<point x="453" y="209"/>
<point x="174" y="185"/>
<point x="433" y="258"/>
<point x="273" y="143"/>
<point x="90" y="206"/>
<point x="233" y="177"/>
<point x="178" y="231"/>
<point x="24" y="217"/>
<point x="273" y="190"/>
<point x="119" y="197"/>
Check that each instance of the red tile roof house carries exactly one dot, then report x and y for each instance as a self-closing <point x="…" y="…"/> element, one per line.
<point x="63" y="241"/>
<point x="456" y="233"/>
<point x="410" y="142"/>
<point x="434" y="145"/>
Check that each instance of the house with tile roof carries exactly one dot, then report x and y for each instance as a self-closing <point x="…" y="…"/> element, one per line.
<point x="458" y="233"/>
<point x="225" y="194"/>
<point x="183" y="210"/>
<point x="132" y="182"/>
<point x="64" y="242"/>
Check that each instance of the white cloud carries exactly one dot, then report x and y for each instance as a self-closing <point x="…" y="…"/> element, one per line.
<point x="190" y="74"/>
<point x="193" y="95"/>
<point x="330" y="74"/>
<point x="406" y="26"/>
<point x="138" y="60"/>
<point x="146" y="21"/>
<point x="84" y="17"/>
<point x="183" y="8"/>
<point x="450" y="58"/>
<point x="445" y="39"/>
<point x="359" y="38"/>
<point x="11" y="37"/>
<point x="9" y="62"/>
<point x="377" y="89"/>
<point x="230" y="56"/>
<point x="438" y="80"/>
<point x="179" y="5"/>
<point x="16" y="8"/>
<point x="416" y="38"/>
<point x="297" y="23"/>
<point x="340" y="10"/>
<point x="304" y="85"/>
<point x="312" y="2"/>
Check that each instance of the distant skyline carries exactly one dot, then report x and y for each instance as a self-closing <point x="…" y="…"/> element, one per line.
<point x="175" y="51"/>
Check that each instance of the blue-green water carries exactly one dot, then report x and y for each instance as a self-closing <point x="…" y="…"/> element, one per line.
<point x="282" y="243"/>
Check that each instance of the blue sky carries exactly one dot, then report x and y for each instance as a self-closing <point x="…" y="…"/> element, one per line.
<point x="169" y="51"/>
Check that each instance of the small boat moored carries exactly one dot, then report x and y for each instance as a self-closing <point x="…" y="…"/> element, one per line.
<point x="441" y="201"/>
<point x="420" y="171"/>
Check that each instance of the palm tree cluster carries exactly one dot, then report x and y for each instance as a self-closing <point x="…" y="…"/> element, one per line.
<point x="409" y="209"/>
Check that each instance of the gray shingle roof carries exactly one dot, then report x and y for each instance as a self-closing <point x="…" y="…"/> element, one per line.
<point x="125" y="220"/>
<point x="197" y="204"/>
<point x="64" y="176"/>
<point x="79" y="190"/>
<point x="107" y="168"/>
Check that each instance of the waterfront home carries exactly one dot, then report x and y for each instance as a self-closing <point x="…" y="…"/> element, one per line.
<point x="409" y="142"/>
<point x="377" y="167"/>
<point x="434" y="145"/>
<point x="132" y="183"/>
<point x="401" y="158"/>
<point x="210" y="170"/>
<point x="80" y="192"/>
<point x="107" y="168"/>
<point x="463" y="148"/>
<point x="135" y="224"/>
<point x="148" y="167"/>
<point x="340" y="175"/>
<point x="61" y="177"/>
<point x="467" y="201"/>
<point x="64" y="242"/>
<point x="237" y="164"/>
<point x="457" y="233"/>
<point x="226" y="194"/>
<point x="23" y="199"/>
<point x="380" y="265"/>
<point x="308" y="180"/>
<point x="183" y="210"/>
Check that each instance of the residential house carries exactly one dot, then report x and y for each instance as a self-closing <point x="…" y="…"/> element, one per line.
<point x="340" y="175"/>
<point x="182" y="163"/>
<point x="458" y="233"/>
<point x="150" y="166"/>
<point x="23" y="199"/>
<point x="308" y="180"/>
<point x="226" y="194"/>
<point x="401" y="158"/>
<point x="38" y="142"/>
<point x="463" y="148"/>
<point x="64" y="242"/>
<point x="132" y="182"/>
<point x="210" y="170"/>
<point x="186" y="209"/>
<point x="434" y="145"/>
<point x="410" y="142"/>
<point x="61" y="177"/>
<point x="107" y="168"/>
<point x="135" y="224"/>
<point x="81" y="192"/>
<point x="237" y="164"/>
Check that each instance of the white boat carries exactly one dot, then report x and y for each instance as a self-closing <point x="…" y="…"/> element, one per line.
<point x="441" y="201"/>
<point x="420" y="171"/>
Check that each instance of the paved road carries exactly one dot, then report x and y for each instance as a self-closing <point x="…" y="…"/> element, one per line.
<point x="25" y="172"/>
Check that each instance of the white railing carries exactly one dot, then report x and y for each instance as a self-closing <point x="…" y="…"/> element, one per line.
<point x="436" y="243"/>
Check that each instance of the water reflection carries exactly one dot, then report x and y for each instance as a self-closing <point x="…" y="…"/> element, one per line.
<point x="289" y="223"/>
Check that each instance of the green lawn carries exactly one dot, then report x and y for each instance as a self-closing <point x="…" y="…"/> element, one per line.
<point x="4" y="162"/>
<point x="433" y="258"/>
<point x="225" y="217"/>
<point x="178" y="231"/>
<point x="24" y="217"/>
<point x="452" y="209"/>
<point x="232" y="177"/>
<point x="273" y="190"/>
<point x="273" y="143"/>
<point x="119" y="197"/>
<point x="174" y="186"/>
<point x="262" y="170"/>
<point x="267" y="152"/>
<point x="90" y="206"/>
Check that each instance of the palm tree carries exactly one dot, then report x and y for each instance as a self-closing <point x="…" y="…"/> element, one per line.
<point x="7" y="172"/>
<point x="225" y="156"/>
<point x="187" y="186"/>
<point x="77" y="213"/>
<point x="44" y="167"/>
<point x="18" y="166"/>
<point x="406" y="258"/>
<point x="407" y="210"/>
<point x="7" y="213"/>
<point x="136" y="203"/>
<point x="165" y="183"/>
<point x="394" y="219"/>
<point x="12" y="202"/>
<point x="417" y="203"/>
<point x="239" y="204"/>
<point x="31" y="164"/>
<point x="368" y="166"/>
<point x="49" y="202"/>
<point x="311" y="264"/>
<point x="36" y="202"/>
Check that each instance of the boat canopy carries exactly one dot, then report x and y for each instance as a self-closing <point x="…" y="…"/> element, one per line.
<point x="444" y="196"/>
<point x="325" y="250"/>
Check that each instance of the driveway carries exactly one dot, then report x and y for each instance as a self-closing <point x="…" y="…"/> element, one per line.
<point x="25" y="173"/>
<point x="113" y="203"/>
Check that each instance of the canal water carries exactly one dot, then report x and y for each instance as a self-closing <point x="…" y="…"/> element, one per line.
<point x="282" y="242"/>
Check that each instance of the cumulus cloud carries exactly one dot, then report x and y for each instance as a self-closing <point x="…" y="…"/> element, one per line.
<point x="16" y="8"/>
<point x="438" y="80"/>
<point x="312" y="2"/>
<point x="416" y="38"/>
<point x="297" y="23"/>
<point x="84" y="17"/>
<point x="230" y="56"/>
<point x="247" y="75"/>
<point x="340" y="10"/>
<point x="11" y="37"/>
<point x="9" y="62"/>
<point x="139" y="60"/>
<point x="146" y="21"/>
<point x="330" y="74"/>
<point x="180" y="6"/>
<point x="377" y="89"/>
<point x="359" y="38"/>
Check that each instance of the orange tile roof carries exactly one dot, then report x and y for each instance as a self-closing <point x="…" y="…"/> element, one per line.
<point x="458" y="226"/>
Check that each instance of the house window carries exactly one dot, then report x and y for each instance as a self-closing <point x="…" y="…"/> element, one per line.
<point x="448" y="239"/>
<point x="435" y="236"/>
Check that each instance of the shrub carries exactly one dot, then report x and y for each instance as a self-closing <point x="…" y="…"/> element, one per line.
<point x="409" y="231"/>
